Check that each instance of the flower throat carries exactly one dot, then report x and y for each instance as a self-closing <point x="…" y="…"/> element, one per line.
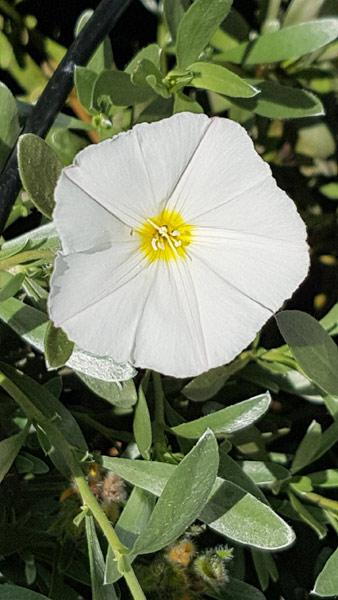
<point x="165" y="236"/>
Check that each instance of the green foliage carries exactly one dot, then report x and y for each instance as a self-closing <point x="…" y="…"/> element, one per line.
<point x="287" y="43"/>
<point x="58" y="348"/>
<point x="142" y="424"/>
<point x="97" y="566"/>
<point x="9" y="122"/>
<point x="196" y="28"/>
<point x="266" y="459"/>
<point x="227" y="421"/>
<point x="219" y="79"/>
<point x="9" y="449"/>
<point x="39" y="171"/>
<point x="326" y="582"/>
<point x="312" y="347"/>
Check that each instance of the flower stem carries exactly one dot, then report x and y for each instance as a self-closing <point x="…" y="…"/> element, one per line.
<point x="114" y="542"/>
<point x="160" y="440"/>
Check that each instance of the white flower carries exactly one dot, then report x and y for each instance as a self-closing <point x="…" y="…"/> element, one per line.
<point x="177" y="245"/>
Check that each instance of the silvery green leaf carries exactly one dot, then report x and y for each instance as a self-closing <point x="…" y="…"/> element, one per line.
<point x="184" y="496"/>
<point x="230" y="510"/>
<point x="45" y="236"/>
<point x="327" y="580"/>
<point x="31" y="324"/>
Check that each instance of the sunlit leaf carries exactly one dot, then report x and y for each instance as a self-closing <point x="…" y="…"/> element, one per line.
<point x="196" y="27"/>
<point x="228" y="420"/>
<point x="327" y="580"/>
<point x="218" y="79"/>
<point x="286" y="43"/>
<point x="183" y="497"/>
<point x="230" y="510"/>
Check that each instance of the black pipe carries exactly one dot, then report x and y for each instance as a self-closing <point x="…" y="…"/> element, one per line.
<point x="56" y="92"/>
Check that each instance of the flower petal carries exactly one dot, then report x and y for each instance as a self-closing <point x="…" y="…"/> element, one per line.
<point x="224" y="165"/>
<point x="82" y="223"/>
<point x="265" y="271"/>
<point x="97" y="299"/>
<point x="264" y="211"/>
<point x="169" y="337"/>
<point x="133" y="174"/>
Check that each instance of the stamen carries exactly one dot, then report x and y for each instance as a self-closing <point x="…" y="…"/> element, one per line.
<point x="154" y="224"/>
<point x="163" y="231"/>
<point x="165" y="236"/>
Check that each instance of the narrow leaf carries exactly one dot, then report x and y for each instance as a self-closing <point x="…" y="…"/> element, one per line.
<point x="308" y="447"/>
<point x="12" y="286"/>
<point x="55" y="422"/>
<point x="218" y="79"/>
<point x="230" y="510"/>
<point x="330" y="321"/>
<point x="307" y="517"/>
<point x="264" y="473"/>
<point x="142" y="425"/>
<point x="133" y="520"/>
<point x="173" y="13"/>
<point x="281" y="102"/>
<point x="327" y="581"/>
<point x="228" y="420"/>
<point x="8" y="451"/>
<point x="312" y="347"/>
<point x="96" y="563"/>
<point x="197" y="27"/>
<point x="183" y="497"/>
<point x="287" y="43"/>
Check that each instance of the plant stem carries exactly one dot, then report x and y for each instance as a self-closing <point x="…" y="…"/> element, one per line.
<point x="271" y="17"/>
<point x="160" y="440"/>
<point x="113" y="540"/>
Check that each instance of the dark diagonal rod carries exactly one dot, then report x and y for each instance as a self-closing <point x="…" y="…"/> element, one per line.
<point x="56" y="92"/>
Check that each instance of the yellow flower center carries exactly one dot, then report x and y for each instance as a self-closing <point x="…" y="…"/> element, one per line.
<point x="165" y="236"/>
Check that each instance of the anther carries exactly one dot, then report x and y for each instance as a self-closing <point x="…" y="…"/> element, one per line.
<point x="163" y="231"/>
